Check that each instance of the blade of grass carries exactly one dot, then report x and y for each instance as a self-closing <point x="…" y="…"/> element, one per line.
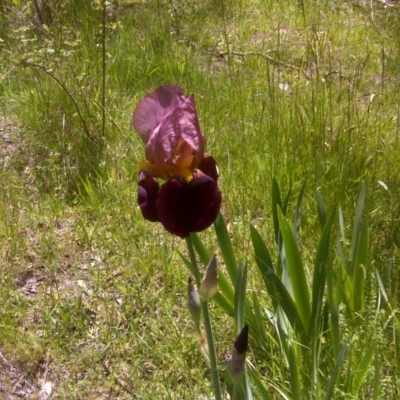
<point x="340" y="253"/>
<point x="294" y="375"/>
<point x="240" y="308"/>
<point x="345" y="288"/>
<point x="260" y="249"/>
<point x="228" y="255"/>
<point x="191" y="268"/>
<point x="396" y="241"/>
<point x="388" y="272"/>
<point x="278" y="321"/>
<point x="276" y="201"/>
<point x="247" y="386"/>
<point x="336" y="371"/>
<point x="341" y="225"/>
<point x="296" y="271"/>
<point x="381" y="286"/>
<point x="333" y="307"/>
<point x="201" y="250"/>
<point x="278" y="292"/>
<point x="226" y="247"/>
<point x="359" y="267"/>
<point x="224" y="303"/>
<point x="240" y="296"/>
<point x="362" y="369"/>
<point x="321" y="209"/>
<point x="263" y="336"/>
<point x="297" y="213"/>
<point x="275" y="288"/>
<point x="320" y="270"/>
<point x="320" y="266"/>
<point x="357" y="222"/>
<point x="286" y="201"/>
<point x="262" y="390"/>
<point x="377" y="375"/>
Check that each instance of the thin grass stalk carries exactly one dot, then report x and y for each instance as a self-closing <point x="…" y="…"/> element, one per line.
<point x="103" y="71"/>
<point x="226" y="38"/>
<point x="66" y="90"/>
<point x="207" y="324"/>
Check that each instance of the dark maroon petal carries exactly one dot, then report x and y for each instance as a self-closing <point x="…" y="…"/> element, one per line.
<point x="147" y="197"/>
<point x="188" y="207"/>
<point x="205" y="200"/>
<point x="209" y="167"/>
<point x="171" y="207"/>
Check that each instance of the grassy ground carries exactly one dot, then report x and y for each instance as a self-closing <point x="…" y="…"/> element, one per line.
<point x="92" y="297"/>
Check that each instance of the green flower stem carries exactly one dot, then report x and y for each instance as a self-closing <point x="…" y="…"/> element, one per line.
<point x="207" y="324"/>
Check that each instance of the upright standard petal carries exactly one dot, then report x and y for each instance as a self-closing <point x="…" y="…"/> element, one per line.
<point x="177" y="143"/>
<point x="185" y="207"/>
<point x="152" y="108"/>
<point x="147" y="197"/>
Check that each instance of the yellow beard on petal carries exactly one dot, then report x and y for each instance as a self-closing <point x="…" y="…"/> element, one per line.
<point x="150" y="168"/>
<point x="181" y="165"/>
<point x="183" y="159"/>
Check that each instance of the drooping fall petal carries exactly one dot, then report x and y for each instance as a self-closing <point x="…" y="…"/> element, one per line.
<point x="147" y="197"/>
<point x="185" y="207"/>
<point x="153" y="107"/>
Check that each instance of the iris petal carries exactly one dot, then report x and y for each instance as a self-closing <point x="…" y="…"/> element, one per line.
<point x="152" y="108"/>
<point x="185" y="207"/>
<point x="209" y="167"/>
<point x="178" y="134"/>
<point x="190" y="200"/>
<point x="147" y="197"/>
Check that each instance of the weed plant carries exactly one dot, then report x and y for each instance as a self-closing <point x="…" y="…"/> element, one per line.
<point x="92" y="299"/>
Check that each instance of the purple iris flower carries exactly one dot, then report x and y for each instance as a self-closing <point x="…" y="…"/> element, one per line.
<point x="189" y="200"/>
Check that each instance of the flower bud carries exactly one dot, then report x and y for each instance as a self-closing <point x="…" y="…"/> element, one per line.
<point x="209" y="284"/>
<point x="194" y="304"/>
<point x="237" y="362"/>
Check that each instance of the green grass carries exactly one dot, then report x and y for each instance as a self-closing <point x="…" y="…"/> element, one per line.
<point x="92" y="297"/>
